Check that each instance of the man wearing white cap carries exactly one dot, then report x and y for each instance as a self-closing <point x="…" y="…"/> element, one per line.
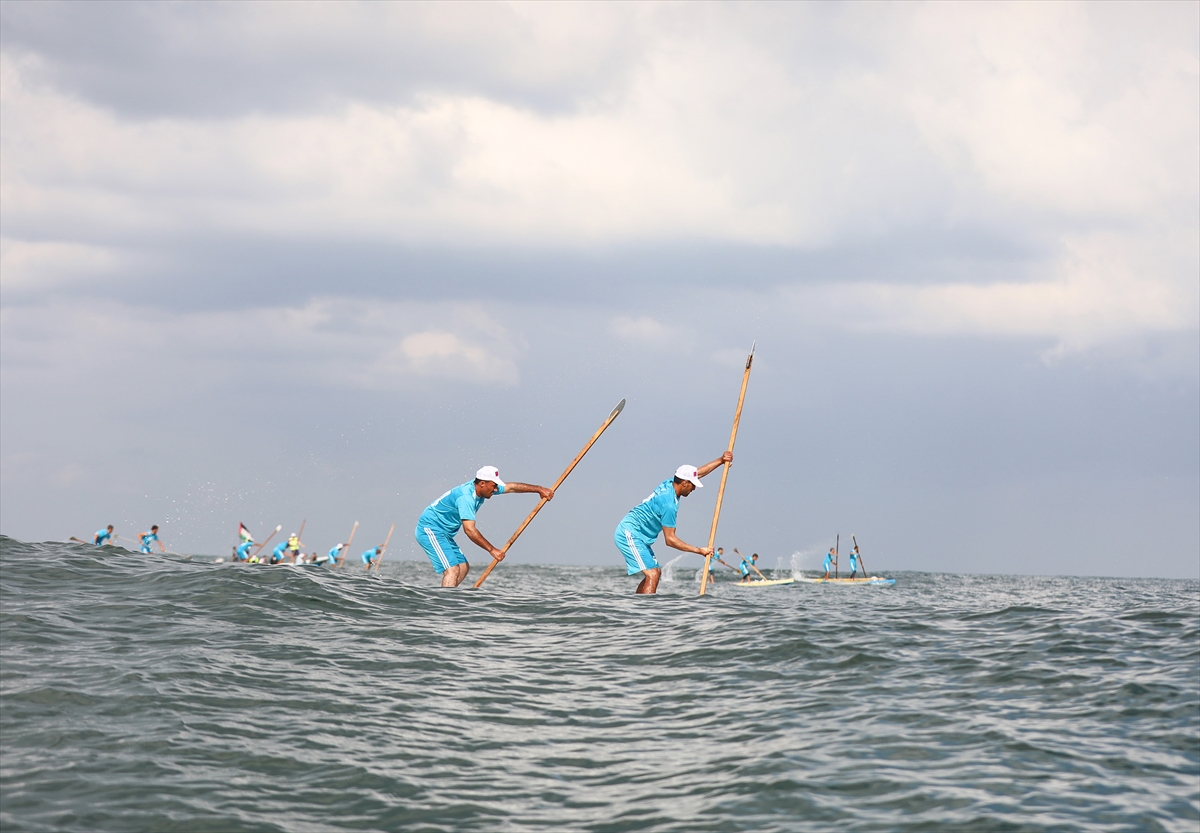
<point x="440" y="521"/>
<point x="638" y="530"/>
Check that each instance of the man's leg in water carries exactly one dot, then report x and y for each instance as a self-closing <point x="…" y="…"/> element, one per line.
<point x="649" y="584"/>
<point x="454" y="575"/>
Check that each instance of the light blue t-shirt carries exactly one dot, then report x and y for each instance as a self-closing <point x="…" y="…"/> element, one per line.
<point x="243" y="550"/>
<point x="102" y="537"/>
<point x="828" y="562"/>
<point x="277" y="553"/>
<point x="853" y="562"/>
<point x="150" y="536"/>
<point x="647" y="519"/>
<point x="333" y="553"/>
<point x="368" y="556"/>
<point x="446" y="514"/>
<point x="744" y="567"/>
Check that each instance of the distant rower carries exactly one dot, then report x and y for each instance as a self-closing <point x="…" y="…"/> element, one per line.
<point x="334" y="558"/>
<point x="242" y="553"/>
<point x="369" y="557"/>
<point x="293" y="547"/>
<point x="147" y="537"/>
<point x="712" y="575"/>
<point x="639" y="529"/>
<point x="441" y="520"/>
<point x="747" y="565"/>
<point x="279" y="553"/>
<point x="828" y="565"/>
<point x="854" y="562"/>
<point x="102" y="537"/>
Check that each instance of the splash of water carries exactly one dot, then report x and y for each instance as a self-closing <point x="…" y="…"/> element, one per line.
<point x="668" y="570"/>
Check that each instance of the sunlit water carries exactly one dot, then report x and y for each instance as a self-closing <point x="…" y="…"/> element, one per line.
<point x="154" y="693"/>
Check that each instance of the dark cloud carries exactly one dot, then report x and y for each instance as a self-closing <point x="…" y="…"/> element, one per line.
<point x="226" y="273"/>
<point x="215" y="60"/>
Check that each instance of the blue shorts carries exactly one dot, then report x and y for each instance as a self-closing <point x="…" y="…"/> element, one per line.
<point x="442" y="551"/>
<point x="639" y="556"/>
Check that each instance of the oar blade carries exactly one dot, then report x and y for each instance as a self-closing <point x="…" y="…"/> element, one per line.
<point x="620" y="407"/>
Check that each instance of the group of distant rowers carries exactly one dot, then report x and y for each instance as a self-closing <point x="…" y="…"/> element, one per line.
<point x="855" y="562"/>
<point x="441" y="521"/>
<point x="289" y="552"/>
<point x="145" y="539"/>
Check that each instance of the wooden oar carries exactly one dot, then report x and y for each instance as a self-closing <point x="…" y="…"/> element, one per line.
<point x="837" y="551"/>
<point x="267" y="540"/>
<point x="77" y="540"/>
<point x="615" y="412"/>
<point x="737" y="416"/>
<point x="384" y="547"/>
<point x="346" y="546"/>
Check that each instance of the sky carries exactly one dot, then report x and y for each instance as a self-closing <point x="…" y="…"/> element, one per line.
<point x="317" y="263"/>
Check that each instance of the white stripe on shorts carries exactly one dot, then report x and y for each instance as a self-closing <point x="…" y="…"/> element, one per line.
<point x="437" y="548"/>
<point x="636" y="552"/>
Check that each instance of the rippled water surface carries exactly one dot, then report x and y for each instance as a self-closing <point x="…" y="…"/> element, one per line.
<point x="156" y="693"/>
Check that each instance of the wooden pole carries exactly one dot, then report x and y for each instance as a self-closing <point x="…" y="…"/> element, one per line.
<point x="268" y="539"/>
<point x="737" y="416"/>
<point x="384" y="547"/>
<point x="837" y="552"/>
<point x="860" y="558"/>
<point x="615" y="412"/>
<point x="346" y="546"/>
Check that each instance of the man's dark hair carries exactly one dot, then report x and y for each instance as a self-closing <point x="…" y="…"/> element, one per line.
<point x="154" y="527"/>
<point x="678" y="480"/>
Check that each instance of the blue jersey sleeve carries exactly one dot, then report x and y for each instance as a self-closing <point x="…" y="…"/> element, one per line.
<point x="670" y="510"/>
<point x="466" y="507"/>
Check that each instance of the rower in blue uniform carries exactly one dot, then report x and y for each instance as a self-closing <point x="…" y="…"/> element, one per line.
<point x="279" y="553"/>
<point x="370" y="555"/>
<point x="334" y="558"/>
<point x="828" y="565"/>
<point x="712" y="575"/>
<point x="242" y="553"/>
<point x="747" y="565"/>
<point x="145" y="538"/>
<point x="102" y="536"/>
<point x="639" y="529"/>
<point x="854" y="562"/>
<point x="456" y="509"/>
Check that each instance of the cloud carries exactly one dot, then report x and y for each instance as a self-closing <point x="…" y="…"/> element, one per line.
<point x="332" y="343"/>
<point x="642" y="329"/>
<point x="996" y="170"/>
<point x="27" y="265"/>
<point x="444" y="356"/>
<point x="1105" y="287"/>
<point x="146" y="61"/>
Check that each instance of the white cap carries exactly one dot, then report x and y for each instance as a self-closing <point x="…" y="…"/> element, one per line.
<point x="689" y="474"/>
<point x="490" y="473"/>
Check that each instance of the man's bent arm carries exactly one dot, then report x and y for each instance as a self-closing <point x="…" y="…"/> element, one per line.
<point x="477" y="536"/>
<point x="518" y="488"/>
<point x="709" y="468"/>
<point x="674" y="542"/>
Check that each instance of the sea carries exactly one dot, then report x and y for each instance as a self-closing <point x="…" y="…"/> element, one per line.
<point x="172" y="693"/>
